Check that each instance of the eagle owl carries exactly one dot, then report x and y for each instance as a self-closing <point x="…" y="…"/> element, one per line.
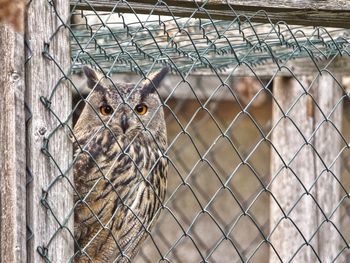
<point x="120" y="171"/>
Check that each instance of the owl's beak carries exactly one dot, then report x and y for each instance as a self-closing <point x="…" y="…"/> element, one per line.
<point x="124" y="123"/>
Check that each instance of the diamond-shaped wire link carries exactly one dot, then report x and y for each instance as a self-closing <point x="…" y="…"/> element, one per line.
<point x="239" y="132"/>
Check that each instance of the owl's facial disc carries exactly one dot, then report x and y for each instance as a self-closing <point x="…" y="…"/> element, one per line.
<point x="126" y="109"/>
<point x="137" y="117"/>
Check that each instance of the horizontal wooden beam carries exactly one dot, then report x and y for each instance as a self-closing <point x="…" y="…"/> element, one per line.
<point x="332" y="13"/>
<point x="291" y="68"/>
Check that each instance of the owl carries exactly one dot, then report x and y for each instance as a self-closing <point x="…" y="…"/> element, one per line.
<point x="120" y="170"/>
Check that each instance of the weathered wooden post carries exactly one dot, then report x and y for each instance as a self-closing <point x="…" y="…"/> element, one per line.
<point x="47" y="36"/>
<point x="292" y="171"/>
<point x="305" y="146"/>
<point x="328" y="122"/>
<point x="12" y="147"/>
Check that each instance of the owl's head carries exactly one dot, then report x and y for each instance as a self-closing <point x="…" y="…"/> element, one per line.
<point x="126" y="109"/>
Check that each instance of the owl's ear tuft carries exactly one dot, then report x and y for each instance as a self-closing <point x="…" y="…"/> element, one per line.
<point x="93" y="77"/>
<point x="153" y="81"/>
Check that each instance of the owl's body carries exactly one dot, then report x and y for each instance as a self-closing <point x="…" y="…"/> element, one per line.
<point x="12" y="13"/>
<point x="120" y="173"/>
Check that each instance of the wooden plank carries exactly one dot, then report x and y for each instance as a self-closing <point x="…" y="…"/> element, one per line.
<point x="296" y="68"/>
<point x="317" y="169"/>
<point x="291" y="161"/>
<point x="299" y="12"/>
<point x="42" y="75"/>
<point x="327" y="143"/>
<point x="12" y="148"/>
<point x="331" y="5"/>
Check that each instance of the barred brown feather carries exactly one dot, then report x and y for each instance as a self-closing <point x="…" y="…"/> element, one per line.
<point x="120" y="172"/>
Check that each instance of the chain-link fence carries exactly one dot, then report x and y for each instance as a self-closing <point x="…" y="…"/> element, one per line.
<point x="257" y="136"/>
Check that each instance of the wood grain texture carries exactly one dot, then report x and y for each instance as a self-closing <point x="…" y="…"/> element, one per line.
<point x="42" y="76"/>
<point x="12" y="148"/>
<point x="311" y="170"/>
<point x="327" y="143"/>
<point x="298" y="12"/>
<point x="296" y="67"/>
<point x="272" y="4"/>
<point x="292" y="172"/>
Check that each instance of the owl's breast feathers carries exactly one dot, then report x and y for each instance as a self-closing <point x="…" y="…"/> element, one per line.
<point x="120" y="186"/>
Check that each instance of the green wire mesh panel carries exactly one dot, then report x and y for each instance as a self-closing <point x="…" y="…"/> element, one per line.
<point x="116" y="44"/>
<point x="233" y="98"/>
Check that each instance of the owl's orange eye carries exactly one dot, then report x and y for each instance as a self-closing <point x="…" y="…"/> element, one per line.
<point x="106" y="110"/>
<point x="141" y="109"/>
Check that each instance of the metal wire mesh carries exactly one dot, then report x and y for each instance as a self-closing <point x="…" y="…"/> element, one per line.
<point x="238" y="131"/>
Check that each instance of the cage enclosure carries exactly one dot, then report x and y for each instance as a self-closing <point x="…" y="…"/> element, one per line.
<point x="256" y="107"/>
